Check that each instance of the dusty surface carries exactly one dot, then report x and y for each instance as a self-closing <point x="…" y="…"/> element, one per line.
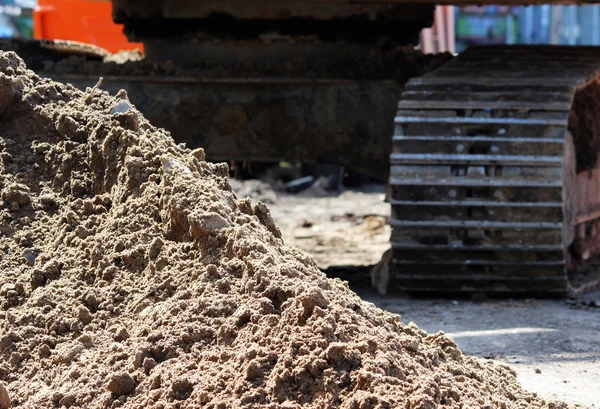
<point x="254" y="189"/>
<point x="349" y="228"/>
<point x="553" y="345"/>
<point x="133" y="277"/>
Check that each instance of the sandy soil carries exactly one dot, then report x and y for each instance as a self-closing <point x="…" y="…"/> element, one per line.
<point x="553" y="345"/>
<point x="133" y="277"/>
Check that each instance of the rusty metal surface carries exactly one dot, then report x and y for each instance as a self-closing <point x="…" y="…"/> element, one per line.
<point x="488" y="168"/>
<point x="329" y="121"/>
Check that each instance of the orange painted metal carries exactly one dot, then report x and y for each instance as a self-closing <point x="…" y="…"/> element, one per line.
<point x="84" y="21"/>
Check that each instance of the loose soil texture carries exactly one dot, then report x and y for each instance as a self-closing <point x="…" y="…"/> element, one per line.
<point x="132" y="276"/>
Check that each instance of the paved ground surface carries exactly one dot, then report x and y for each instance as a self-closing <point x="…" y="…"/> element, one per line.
<point x="346" y="229"/>
<point x="553" y="345"/>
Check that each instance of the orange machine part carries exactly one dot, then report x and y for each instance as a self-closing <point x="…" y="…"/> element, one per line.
<point x="84" y="21"/>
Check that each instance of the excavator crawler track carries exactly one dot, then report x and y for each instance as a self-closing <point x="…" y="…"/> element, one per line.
<point x="482" y="181"/>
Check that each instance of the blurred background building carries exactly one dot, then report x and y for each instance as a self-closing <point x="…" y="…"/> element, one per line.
<point x="457" y="28"/>
<point x="16" y="18"/>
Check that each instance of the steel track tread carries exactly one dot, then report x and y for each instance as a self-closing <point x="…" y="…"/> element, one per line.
<point x="476" y="171"/>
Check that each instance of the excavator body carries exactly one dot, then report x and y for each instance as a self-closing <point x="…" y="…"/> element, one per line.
<point x="491" y="157"/>
<point x="87" y="22"/>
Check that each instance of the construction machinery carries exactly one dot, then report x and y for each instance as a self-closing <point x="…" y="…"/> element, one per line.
<point x="86" y="22"/>
<point x="492" y="157"/>
<point x="494" y="174"/>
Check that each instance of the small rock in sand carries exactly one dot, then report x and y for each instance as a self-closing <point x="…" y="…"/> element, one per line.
<point x="4" y="398"/>
<point x="121" y="384"/>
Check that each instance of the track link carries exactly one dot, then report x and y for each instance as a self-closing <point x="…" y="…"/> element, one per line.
<point x="478" y="172"/>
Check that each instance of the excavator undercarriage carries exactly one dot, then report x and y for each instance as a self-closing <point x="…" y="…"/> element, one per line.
<point x="494" y="174"/>
<point x="493" y="162"/>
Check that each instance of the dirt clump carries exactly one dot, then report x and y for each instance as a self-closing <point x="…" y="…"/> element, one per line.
<point x="4" y="398"/>
<point x="133" y="277"/>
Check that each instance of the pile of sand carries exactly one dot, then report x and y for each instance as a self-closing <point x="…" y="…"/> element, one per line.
<point x="132" y="276"/>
